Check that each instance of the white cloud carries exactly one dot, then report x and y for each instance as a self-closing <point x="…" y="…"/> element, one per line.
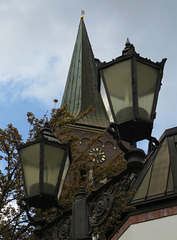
<point x="31" y="36"/>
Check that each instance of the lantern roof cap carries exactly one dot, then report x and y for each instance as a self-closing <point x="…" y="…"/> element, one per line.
<point x="47" y="133"/>
<point x="128" y="52"/>
<point x="129" y="48"/>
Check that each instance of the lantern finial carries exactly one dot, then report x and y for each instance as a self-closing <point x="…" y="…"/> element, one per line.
<point x="127" y="43"/>
<point x="129" y="48"/>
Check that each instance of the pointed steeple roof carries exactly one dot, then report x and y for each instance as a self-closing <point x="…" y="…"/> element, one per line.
<point x="81" y="90"/>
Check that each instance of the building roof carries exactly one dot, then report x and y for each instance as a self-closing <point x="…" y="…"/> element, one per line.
<point x="158" y="179"/>
<point x="82" y="89"/>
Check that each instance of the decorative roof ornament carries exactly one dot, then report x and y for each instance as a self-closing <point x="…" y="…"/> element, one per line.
<point x="82" y="13"/>
<point x="129" y="48"/>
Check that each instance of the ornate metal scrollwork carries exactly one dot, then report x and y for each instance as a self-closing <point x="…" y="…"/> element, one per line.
<point x="65" y="229"/>
<point x="59" y="231"/>
<point x="125" y="183"/>
<point x="100" y="208"/>
<point x="97" y="207"/>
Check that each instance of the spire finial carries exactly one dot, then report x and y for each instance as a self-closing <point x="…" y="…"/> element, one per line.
<point x="82" y="13"/>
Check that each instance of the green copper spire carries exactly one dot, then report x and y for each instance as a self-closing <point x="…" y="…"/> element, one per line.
<point x="81" y="90"/>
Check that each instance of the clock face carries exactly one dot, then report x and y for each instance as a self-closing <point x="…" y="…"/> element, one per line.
<point x="99" y="155"/>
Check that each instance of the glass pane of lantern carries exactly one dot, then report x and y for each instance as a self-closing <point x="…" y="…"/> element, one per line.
<point x="106" y="102"/>
<point x="30" y="161"/>
<point x="118" y="82"/>
<point x="66" y="168"/>
<point x="146" y="83"/>
<point x="53" y="157"/>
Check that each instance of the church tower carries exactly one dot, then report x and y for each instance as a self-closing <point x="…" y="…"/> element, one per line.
<point x="81" y="91"/>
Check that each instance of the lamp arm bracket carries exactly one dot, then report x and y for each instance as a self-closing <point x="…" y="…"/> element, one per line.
<point x="113" y="129"/>
<point x="37" y="223"/>
<point x="23" y="203"/>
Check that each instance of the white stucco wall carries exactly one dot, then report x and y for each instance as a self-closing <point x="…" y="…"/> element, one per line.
<point x="160" y="229"/>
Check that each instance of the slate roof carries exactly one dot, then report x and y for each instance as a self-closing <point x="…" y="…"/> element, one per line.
<point x="82" y="90"/>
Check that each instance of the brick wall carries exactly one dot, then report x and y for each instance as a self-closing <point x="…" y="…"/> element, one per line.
<point x="145" y="217"/>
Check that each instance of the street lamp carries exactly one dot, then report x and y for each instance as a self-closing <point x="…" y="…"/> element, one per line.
<point x="132" y="84"/>
<point x="45" y="162"/>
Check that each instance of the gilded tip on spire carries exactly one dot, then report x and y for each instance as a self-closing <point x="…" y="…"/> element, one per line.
<point x="82" y="13"/>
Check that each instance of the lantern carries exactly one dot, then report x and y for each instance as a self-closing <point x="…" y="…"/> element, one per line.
<point x="45" y="163"/>
<point x="132" y="84"/>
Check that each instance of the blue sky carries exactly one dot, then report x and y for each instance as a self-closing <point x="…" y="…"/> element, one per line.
<point x="37" y="38"/>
